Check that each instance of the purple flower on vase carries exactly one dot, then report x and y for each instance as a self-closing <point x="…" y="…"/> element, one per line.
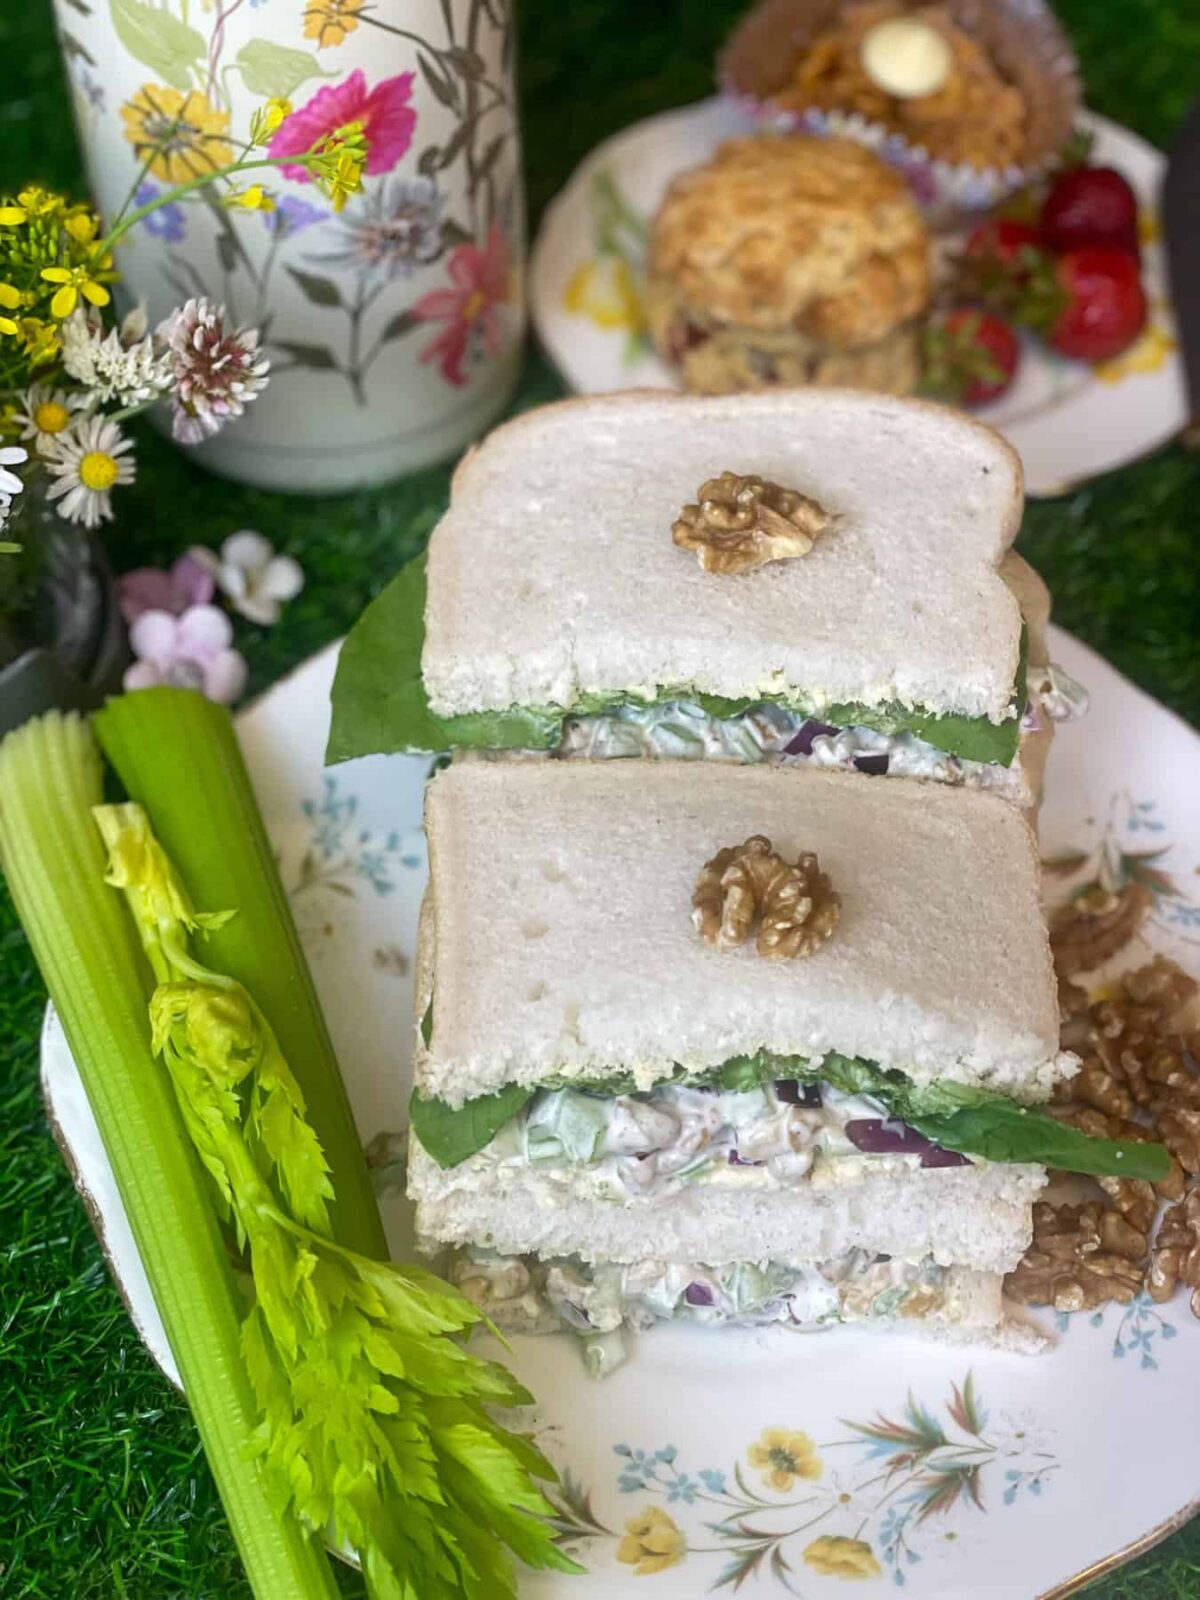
<point x="291" y="215"/>
<point x="187" y="582"/>
<point x="169" y="222"/>
<point x="193" y="651"/>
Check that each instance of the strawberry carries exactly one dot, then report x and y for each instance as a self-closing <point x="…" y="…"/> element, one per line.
<point x="1003" y="246"/>
<point x="1102" y="307"/>
<point x="1090" y="205"/>
<point x="970" y="356"/>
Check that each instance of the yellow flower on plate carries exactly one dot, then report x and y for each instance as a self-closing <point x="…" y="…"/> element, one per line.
<point x="782" y="1457"/>
<point x="1146" y="354"/>
<point x="604" y="290"/>
<point x="183" y="136"/>
<point x="329" y="21"/>
<point x="653" y="1542"/>
<point x="835" y="1557"/>
<point x="73" y="282"/>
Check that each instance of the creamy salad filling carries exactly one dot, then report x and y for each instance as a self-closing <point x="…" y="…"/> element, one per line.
<point x="646" y="1146"/>
<point x="682" y="730"/>
<point x="602" y="1301"/>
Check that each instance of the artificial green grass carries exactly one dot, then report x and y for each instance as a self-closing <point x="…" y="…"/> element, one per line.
<point x="102" y="1489"/>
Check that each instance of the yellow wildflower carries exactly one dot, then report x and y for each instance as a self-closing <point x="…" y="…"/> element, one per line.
<point x="604" y="290"/>
<point x="653" y="1542"/>
<point x="182" y="136"/>
<point x="337" y="163"/>
<point x="836" y="1557"/>
<point x="40" y="340"/>
<point x="81" y="225"/>
<point x="267" y="120"/>
<point x="74" y="281"/>
<point x="10" y="299"/>
<point x="255" y="198"/>
<point x="1147" y="354"/>
<point x="782" y="1457"/>
<point x="329" y="21"/>
<point x="32" y="202"/>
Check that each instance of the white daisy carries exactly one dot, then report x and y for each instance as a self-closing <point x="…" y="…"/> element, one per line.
<point x="45" y="412"/>
<point x="11" y="456"/>
<point x="122" y="364"/>
<point x="86" y="462"/>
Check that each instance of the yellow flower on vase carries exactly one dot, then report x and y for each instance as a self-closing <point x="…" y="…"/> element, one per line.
<point x="329" y="21"/>
<point x="1149" y="229"/>
<point x="182" y="136"/>
<point x="653" y="1542"/>
<point x="604" y="291"/>
<point x="782" y="1457"/>
<point x="1146" y="354"/>
<point x="835" y="1557"/>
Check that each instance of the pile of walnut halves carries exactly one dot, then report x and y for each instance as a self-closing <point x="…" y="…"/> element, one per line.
<point x="1140" y="1079"/>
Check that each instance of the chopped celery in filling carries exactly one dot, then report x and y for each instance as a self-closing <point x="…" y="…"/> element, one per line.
<point x="601" y="1301"/>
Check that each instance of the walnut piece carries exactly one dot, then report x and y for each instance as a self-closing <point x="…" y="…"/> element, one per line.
<point x="1081" y="1257"/>
<point x="795" y="907"/>
<point x="1095" y="925"/>
<point x="1176" y="1255"/>
<point x="744" y="522"/>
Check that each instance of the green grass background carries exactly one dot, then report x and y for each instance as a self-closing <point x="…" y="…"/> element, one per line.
<point x="103" y="1491"/>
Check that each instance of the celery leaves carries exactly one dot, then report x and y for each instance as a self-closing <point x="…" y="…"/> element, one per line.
<point x="373" y="1420"/>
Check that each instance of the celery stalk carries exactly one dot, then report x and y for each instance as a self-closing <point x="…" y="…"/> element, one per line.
<point x="50" y="777"/>
<point x="178" y="757"/>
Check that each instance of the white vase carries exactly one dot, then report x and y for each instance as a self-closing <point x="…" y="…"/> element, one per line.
<point x="394" y="329"/>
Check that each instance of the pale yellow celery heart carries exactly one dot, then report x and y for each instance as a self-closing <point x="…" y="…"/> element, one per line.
<point x="85" y="946"/>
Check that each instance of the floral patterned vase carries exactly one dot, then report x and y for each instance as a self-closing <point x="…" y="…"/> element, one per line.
<point x="394" y="329"/>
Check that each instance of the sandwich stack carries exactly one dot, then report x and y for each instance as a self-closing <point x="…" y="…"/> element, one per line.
<point x="758" y="1038"/>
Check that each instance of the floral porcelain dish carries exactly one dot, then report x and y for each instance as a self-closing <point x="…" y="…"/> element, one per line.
<point x="1068" y="420"/>
<point x="781" y="1463"/>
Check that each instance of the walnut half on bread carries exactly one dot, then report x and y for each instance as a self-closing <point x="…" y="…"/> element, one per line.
<point x="787" y="260"/>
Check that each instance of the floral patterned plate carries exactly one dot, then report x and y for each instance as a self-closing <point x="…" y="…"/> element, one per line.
<point x="1069" y="421"/>
<point x="781" y="1463"/>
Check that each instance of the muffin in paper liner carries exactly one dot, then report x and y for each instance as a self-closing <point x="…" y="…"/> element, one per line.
<point x="1021" y="37"/>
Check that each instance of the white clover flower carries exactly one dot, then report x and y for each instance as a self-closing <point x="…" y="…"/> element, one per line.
<point x="121" y="365"/>
<point x="216" y="370"/>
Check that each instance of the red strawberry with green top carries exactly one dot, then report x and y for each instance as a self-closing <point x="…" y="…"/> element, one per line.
<point x="970" y="356"/>
<point x="1095" y="307"/>
<point x="1005" y="247"/>
<point x="1090" y="205"/>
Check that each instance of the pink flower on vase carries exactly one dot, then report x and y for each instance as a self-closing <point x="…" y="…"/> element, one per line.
<point x="469" y="309"/>
<point x="387" y="118"/>
<point x="187" y="582"/>
<point x="194" y="651"/>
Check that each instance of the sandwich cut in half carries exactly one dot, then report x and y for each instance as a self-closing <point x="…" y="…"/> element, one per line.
<point x="821" y="577"/>
<point x="625" y="1111"/>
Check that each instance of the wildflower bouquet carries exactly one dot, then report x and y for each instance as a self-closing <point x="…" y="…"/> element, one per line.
<point x="71" y="373"/>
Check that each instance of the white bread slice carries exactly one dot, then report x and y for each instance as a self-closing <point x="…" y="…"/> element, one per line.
<point x="966" y="1216"/>
<point x="554" y="572"/>
<point x="561" y="936"/>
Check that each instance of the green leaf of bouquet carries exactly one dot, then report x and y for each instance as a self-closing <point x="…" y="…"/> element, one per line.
<point x="158" y="40"/>
<point x="274" y="70"/>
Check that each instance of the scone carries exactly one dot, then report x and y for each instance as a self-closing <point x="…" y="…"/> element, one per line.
<point x="787" y="260"/>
